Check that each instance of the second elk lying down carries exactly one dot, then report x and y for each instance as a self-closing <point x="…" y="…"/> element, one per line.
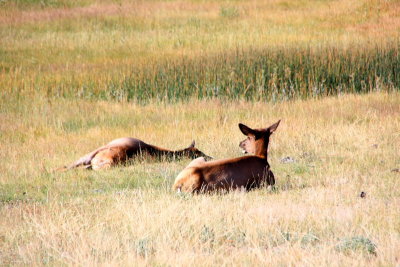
<point x="120" y="150"/>
<point x="245" y="172"/>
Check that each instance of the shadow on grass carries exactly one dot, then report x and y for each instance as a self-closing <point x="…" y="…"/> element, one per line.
<point x="86" y="183"/>
<point x="155" y="176"/>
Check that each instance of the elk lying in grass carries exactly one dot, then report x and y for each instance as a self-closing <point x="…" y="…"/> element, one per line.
<point x="120" y="150"/>
<point x="245" y="172"/>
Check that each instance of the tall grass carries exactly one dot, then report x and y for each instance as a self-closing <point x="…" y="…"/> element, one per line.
<point x="57" y="56"/>
<point x="129" y="215"/>
<point x="268" y="74"/>
<point x="254" y="74"/>
<point x="173" y="51"/>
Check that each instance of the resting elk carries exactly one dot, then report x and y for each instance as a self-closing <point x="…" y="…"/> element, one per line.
<point x="120" y="150"/>
<point x="229" y="174"/>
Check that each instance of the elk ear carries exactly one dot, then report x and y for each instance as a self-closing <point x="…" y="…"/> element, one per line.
<point x="192" y="144"/>
<point x="273" y="127"/>
<point x="246" y="130"/>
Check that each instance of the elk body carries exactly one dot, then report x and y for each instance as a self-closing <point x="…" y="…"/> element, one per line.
<point x="244" y="172"/>
<point x="120" y="150"/>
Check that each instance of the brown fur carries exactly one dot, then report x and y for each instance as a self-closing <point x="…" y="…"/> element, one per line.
<point x="120" y="150"/>
<point x="245" y="172"/>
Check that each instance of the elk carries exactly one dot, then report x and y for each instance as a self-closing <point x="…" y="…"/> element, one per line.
<point x="246" y="172"/>
<point x="120" y="150"/>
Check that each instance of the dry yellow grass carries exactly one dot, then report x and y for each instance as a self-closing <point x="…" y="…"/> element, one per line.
<point x="342" y="146"/>
<point x="129" y="216"/>
<point x="103" y="41"/>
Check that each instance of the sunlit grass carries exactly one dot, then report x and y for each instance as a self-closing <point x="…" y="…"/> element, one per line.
<point x="118" y="50"/>
<point x="128" y="215"/>
<point x="76" y="74"/>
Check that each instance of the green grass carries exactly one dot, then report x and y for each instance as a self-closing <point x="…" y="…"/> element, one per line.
<point x="76" y="74"/>
<point x="270" y="74"/>
<point x="137" y="51"/>
<point x="128" y="215"/>
<point x="34" y="4"/>
<point x="266" y="74"/>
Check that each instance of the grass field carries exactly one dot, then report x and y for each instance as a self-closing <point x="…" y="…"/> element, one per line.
<point x="77" y="74"/>
<point x="169" y="50"/>
<point x="128" y="215"/>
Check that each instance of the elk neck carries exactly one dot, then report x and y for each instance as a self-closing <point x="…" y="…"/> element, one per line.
<point x="158" y="151"/>
<point x="261" y="149"/>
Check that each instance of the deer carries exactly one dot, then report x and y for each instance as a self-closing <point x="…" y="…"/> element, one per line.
<point x="120" y="150"/>
<point x="246" y="172"/>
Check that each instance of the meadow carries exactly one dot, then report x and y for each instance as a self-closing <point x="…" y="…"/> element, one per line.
<point x="77" y="74"/>
<point x="129" y="215"/>
<point x="168" y="50"/>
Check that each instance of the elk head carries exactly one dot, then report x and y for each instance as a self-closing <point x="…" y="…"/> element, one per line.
<point x="257" y="139"/>
<point x="193" y="152"/>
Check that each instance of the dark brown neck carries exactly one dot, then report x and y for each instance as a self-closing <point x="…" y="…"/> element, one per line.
<point x="262" y="148"/>
<point x="162" y="152"/>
